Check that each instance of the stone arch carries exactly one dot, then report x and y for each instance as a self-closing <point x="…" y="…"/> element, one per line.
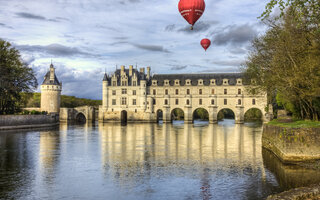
<point x="124" y="117"/>
<point x="177" y="114"/>
<point x="159" y="115"/>
<point x="221" y="114"/>
<point x="255" y="114"/>
<point x="200" y="113"/>
<point x="81" y="118"/>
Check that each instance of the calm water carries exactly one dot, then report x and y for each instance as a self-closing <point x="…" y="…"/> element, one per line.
<point x="143" y="161"/>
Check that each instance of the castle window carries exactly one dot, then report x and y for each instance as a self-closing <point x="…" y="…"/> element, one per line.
<point x="134" y="83"/>
<point x="200" y="101"/>
<point x="154" y="102"/>
<point x="177" y="91"/>
<point x="135" y="110"/>
<point x="188" y="91"/>
<point x="188" y="101"/>
<point x="225" y="102"/>
<point x="239" y="101"/>
<point x="124" y="83"/>
<point x="212" y="91"/>
<point x="154" y="82"/>
<point x="124" y="91"/>
<point x="166" y="91"/>
<point x="134" y="102"/>
<point x="134" y="92"/>
<point x="166" y="102"/>
<point x="212" y="101"/>
<point x="177" y="101"/>
<point x="114" y="102"/>
<point x="200" y="91"/>
<point x="154" y="92"/>
<point x="200" y="82"/>
<point x="212" y="82"/>
<point x="123" y="101"/>
<point x="253" y="102"/>
<point x="239" y="91"/>
<point x="225" y="91"/>
<point x="114" y="92"/>
<point x="177" y="82"/>
<point x="114" y="83"/>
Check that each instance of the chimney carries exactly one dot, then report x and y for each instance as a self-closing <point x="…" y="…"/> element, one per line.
<point x="130" y="70"/>
<point x="122" y="70"/>
<point x="51" y="72"/>
<point x="148" y="72"/>
<point x="142" y="70"/>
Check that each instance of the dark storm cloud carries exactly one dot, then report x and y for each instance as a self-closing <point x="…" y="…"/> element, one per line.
<point x="39" y="17"/>
<point x="151" y="48"/>
<point x="53" y="49"/>
<point x="235" y="35"/>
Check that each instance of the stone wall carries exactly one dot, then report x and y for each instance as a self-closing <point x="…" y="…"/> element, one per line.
<point x="26" y="121"/>
<point x="292" y="144"/>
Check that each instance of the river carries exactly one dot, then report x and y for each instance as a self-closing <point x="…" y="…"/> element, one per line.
<point x="144" y="161"/>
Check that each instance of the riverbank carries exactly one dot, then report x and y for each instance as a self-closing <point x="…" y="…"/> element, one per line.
<point x="12" y="122"/>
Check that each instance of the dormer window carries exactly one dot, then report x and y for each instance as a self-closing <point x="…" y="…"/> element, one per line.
<point x="212" y="81"/>
<point x="200" y="82"/>
<point x="166" y="82"/>
<point x="239" y="81"/>
<point x="225" y="82"/>
<point x="177" y="82"/>
<point x="154" y="82"/>
<point x="188" y="82"/>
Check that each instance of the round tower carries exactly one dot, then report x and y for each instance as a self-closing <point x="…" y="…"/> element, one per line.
<point x="51" y="92"/>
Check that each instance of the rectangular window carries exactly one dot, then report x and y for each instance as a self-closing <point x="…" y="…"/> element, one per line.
<point x="154" y="92"/>
<point x="124" y="91"/>
<point x="253" y="102"/>
<point x="225" y="91"/>
<point x="177" y="101"/>
<point x="188" y="102"/>
<point x="114" y="102"/>
<point x="166" y="102"/>
<point x="123" y="101"/>
<point x="134" y="92"/>
<point x="134" y="83"/>
<point x="200" y="101"/>
<point x="212" y="101"/>
<point x="200" y="91"/>
<point x="177" y="91"/>
<point x="225" y="101"/>
<point x="166" y="91"/>
<point x="114" y="92"/>
<point x="114" y="83"/>
<point x="239" y="101"/>
<point x="239" y="91"/>
<point x="134" y="102"/>
<point x="154" y="102"/>
<point x="188" y="91"/>
<point x="212" y="91"/>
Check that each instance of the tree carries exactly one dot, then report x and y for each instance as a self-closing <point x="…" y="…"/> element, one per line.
<point x="286" y="61"/>
<point x="15" y="77"/>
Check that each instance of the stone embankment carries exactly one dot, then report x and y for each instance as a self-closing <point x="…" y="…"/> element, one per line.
<point x="303" y="193"/>
<point x="292" y="144"/>
<point x="9" y="122"/>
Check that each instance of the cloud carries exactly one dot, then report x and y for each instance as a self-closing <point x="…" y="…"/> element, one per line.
<point x="179" y="67"/>
<point x="228" y="62"/>
<point x="200" y="26"/>
<point x="4" y="25"/>
<point x="39" y="17"/>
<point x="235" y="35"/>
<point x="151" y="48"/>
<point x="237" y="51"/>
<point x="53" y="49"/>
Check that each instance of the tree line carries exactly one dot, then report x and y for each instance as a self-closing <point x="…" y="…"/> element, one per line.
<point x="285" y="61"/>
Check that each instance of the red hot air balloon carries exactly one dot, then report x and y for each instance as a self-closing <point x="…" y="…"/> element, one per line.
<point x="205" y="43"/>
<point x="191" y="10"/>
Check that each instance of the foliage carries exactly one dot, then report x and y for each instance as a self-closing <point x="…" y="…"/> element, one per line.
<point x="15" y="77"/>
<point x="253" y="114"/>
<point x="66" y="101"/>
<point x="225" y="113"/>
<point x="201" y="114"/>
<point x="177" y="114"/>
<point x="286" y="61"/>
<point x="296" y="124"/>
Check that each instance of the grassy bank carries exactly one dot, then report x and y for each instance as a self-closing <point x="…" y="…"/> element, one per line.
<point x="296" y="124"/>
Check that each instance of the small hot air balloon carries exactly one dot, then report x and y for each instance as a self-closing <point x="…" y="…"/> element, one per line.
<point x="191" y="10"/>
<point x="205" y="43"/>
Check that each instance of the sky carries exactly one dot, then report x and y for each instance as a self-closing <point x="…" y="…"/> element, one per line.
<point x="85" y="38"/>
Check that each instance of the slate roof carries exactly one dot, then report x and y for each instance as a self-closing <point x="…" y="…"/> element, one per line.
<point x="47" y="81"/>
<point x="232" y="77"/>
<point x="139" y="75"/>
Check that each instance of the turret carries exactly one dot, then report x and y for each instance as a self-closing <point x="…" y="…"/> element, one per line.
<point x="130" y="70"/>
<point x="148" y="73"/>
<point x="105" y="85"/>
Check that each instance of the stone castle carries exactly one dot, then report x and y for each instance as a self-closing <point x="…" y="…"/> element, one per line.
<point x="129" y="95"/>
<point x="132" y="95"/>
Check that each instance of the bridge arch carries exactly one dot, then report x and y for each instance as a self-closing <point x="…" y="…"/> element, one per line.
<point x="200" y="114"/>
<point x="80" y="118"/>
<point x="253" y="114"/>
<point x="226" y="113"/>
<point x="159" y="115"/>
<point x="177" y="114"/>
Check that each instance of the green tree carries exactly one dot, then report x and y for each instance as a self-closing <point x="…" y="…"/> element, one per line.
<point x="286" y="61"/>
<point x="15" y="77"/>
